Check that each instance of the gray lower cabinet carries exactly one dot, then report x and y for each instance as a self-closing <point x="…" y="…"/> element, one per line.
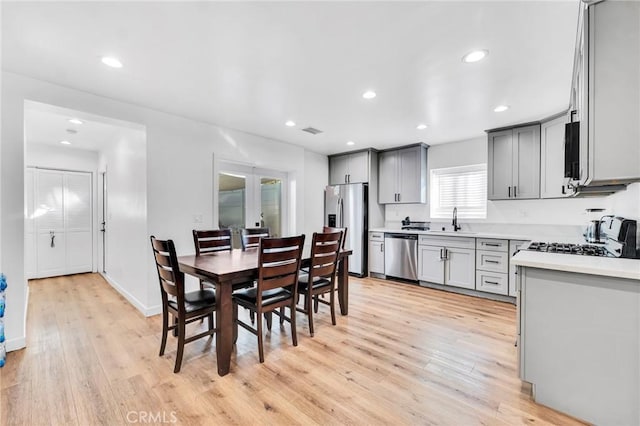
<point x="447" y="260"/>
<point x="403" y="175"/>
<point x="376" y="253"/>
<point x="513" y="170"/>
<point x="514" y="246"/>
<point x="492" y="265"/>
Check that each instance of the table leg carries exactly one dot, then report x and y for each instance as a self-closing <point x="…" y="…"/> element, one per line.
<point x="224" y="323"/>
<point x="343" y="285"/>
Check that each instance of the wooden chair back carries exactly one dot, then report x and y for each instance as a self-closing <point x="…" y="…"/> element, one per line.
<point x="250" y="237"/>
<point x="211" y="241"/>
<point x="278" y="264"/>
<point x="325" y="248"/>
<point x="326" y="229"/>
<point x="169" y="275"/>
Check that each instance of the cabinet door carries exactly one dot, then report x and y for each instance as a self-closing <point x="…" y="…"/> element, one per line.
<point x="552" y="181"/>
<point x="358" y="167"/>
<point x="338" y="169"/>
<point x="376" y="257"/>
<point x="500" y="165"/>
<point x="526" y="162"/>
<point x="387" y="177"/>
<point x="460" y="269"/>
<point x="514" y="246"/>
<point x="411" y="185"/>
<point x="430" y="264"/>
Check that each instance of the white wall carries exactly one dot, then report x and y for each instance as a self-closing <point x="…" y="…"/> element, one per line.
<point x="569" y="212"/>
<point x="125" y="161"/>
<point x="179" y="180"/>
<point x="317" y="178"/>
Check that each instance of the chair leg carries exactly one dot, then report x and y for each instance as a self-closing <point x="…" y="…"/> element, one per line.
<point x="235" y="322"/>
<point x="211" y="323"/>
<point x="309" y="298"/>
<point x="252" y="316"/>
<point x="315" y="305"/>
<point x="282" y="315"/>
<point x="181" y="331"/>
<point x="175" y="329"/>
<point x="294" y="332"/>
<point x="165" y="331"/>
<point x="269" y="319"/>
<point x="260" y="348"/>
<point x="332" y="304"/>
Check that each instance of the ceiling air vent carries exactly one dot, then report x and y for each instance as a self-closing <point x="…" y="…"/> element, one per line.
<point x="72" y="131"/>
<point x="312" y="130"/>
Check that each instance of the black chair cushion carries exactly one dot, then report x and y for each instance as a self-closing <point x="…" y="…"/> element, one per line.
<point x="268" y="296"/>
<point x="303" y="282"/>
<point x="196" y="300"/>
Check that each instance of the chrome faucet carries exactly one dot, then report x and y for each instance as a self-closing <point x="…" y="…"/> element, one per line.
<point x="454" y="223"/>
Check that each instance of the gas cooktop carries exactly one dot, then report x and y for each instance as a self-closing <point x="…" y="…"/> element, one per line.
<point x="581" y="249"/>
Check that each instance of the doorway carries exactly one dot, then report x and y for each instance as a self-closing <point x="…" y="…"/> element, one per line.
<point x="250" y="197"/>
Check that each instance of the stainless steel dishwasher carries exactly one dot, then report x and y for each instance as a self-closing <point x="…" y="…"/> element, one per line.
<point x="401" y="256"/>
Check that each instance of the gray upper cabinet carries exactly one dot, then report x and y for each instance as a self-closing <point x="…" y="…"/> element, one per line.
<point x="513" y="170"/>
<point x="403" y="175"/>
<point x="553" y="184"/>
<point x="349" y="168"/>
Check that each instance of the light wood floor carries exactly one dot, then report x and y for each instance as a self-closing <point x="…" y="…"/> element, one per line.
<point x="404" y="355"/>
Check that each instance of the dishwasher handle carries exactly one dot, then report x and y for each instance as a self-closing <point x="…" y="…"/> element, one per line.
<point x="401" y="236"/>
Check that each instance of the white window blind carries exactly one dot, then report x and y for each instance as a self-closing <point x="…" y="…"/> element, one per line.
<point x="463" y="187"/>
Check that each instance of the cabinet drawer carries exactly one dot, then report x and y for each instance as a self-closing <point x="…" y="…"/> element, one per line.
<point x="492" y="282"/>
<point x="446" y="241"/>
<point x="376" y="236"/>
<point x="492" y="261"/>
<point x="492" y="244"/>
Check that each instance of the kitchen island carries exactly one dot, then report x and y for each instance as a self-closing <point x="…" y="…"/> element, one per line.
<point x="579" y="334"/>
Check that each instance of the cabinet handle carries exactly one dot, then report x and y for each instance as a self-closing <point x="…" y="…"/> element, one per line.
<point x="491" y="282"/>
<point x="382" y="247"/>
<point x="491" y="261"/>
<point x="441" y="254"/>
<point x="509" y="192"/>
<point x="563" y="192"/>
<point x="515" y="194"/>
<point x="398" y="197"/>
<point x="345" y="178"/>
<point x="446" y="254"/>
<point x="492" y="244"/>
<point x="349" y="178"/>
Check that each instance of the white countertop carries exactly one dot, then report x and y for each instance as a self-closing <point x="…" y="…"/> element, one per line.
<point x="462" y="234"/>
<point x="593" y="265"/>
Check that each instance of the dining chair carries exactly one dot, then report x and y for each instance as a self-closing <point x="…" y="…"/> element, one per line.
<point x="211" y="241"/>
<point x="215" y="241"/>
<point x="321" y="278"/>
<point x="184" y="307"/>
<point x="326" y="229"/>
<point x="277" y="288"/>
<point x="250" y="237"/>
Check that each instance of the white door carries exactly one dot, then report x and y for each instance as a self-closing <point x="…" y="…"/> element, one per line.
<point x="460" y="270"/>
<point x="430" y="264"/>
<point x="61" y="220"/>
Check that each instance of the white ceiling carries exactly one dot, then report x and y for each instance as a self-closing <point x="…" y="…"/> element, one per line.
<point x="253" y="66"/>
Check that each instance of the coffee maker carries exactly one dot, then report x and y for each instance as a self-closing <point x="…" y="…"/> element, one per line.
<point x="593" y="234"/>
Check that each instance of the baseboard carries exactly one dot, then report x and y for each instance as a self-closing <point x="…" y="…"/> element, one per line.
<point x="146" y="311"/>
<point x="16" y="344"/>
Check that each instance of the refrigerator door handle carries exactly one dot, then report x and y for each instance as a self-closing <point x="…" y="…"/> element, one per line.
<point x="340" y="214"/>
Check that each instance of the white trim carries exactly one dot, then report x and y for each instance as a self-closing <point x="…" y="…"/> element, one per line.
<point x="145" y="310"/>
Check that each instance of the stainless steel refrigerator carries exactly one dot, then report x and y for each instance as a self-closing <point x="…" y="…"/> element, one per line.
<point x="346" y="207"/>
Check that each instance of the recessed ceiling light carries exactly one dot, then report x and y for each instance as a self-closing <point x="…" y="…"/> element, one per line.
<point x="501" y="108"/>
<point x="369" y="94"/>
<point x="290" y="123"/>
<point x="351" y="143"/>
<point x="75" y="121"/>
<point x="421" y="126"/>
<point x="111" y="61"/>
<point x="475" y="56"/>
<point x="65" y="142"/>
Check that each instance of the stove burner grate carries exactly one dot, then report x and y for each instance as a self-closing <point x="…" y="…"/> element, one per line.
<point x="580" y="249"/>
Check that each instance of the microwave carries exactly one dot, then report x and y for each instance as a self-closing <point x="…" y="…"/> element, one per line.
<point x="572" y="150"/>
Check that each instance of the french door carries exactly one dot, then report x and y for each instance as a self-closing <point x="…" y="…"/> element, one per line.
<point x="250" y="197"/>
<point x="58" y="223"/>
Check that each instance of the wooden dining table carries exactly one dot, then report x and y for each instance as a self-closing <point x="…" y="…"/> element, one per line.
<point x="227" y="269"/>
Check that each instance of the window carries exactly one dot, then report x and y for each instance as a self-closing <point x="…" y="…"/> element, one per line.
<point x="463" y="187"/>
